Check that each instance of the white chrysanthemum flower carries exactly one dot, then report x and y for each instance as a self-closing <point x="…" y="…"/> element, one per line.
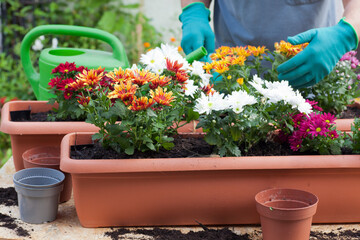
<point x="54" y="43"/>
<point x="257" y="83"/>
<point x="190" y="88"/>
<point x="169" y="50"/>
<point x="214" y="102"/>
<point x="237" y="100"/>
<point x="258" y="80"/>
<point x="197" y="69"/>
<point x="305" y="107"/>
<point x="153" y="59"/>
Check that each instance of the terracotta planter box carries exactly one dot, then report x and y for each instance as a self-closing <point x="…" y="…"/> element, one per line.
<point x="26" y="135"/>
<point x="212" y="191"/>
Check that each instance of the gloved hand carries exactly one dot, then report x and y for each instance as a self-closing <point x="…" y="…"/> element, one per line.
<point x="326" y="47"/>
<point x="196" y="30"/>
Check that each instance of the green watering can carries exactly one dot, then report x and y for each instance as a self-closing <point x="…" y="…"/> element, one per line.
<point x="52" y="57"/>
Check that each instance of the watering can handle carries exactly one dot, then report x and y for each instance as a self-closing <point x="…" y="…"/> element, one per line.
<point x="118" y="49"/>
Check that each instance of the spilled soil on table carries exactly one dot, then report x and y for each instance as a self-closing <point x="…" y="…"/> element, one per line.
<point x="166" y="234"/>
<point x="8" y="197"/>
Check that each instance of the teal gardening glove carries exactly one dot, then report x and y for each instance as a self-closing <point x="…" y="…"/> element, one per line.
<point x="326" y="47"/>
<point x="196" y="30"/>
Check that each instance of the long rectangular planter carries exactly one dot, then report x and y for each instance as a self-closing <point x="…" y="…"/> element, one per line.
<point x="209" y="190"/>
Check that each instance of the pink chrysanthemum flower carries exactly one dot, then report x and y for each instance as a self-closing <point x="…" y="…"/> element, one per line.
<point x="317" y="125"/>
<point x="295" y="140"/>
<point x="298" y="119"/>
<point x="333" y="134"/>
<point x="328" y="118"/>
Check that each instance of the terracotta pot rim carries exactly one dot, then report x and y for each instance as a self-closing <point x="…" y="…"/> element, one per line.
<point x="38" y="128"/>
<point x="198" y="164"/>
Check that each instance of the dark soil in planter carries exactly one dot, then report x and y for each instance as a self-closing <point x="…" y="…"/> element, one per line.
<point x="350" y="112"/>
<point x="40" y="117"/>
<point x="165" y="234"/>
<point x="184" y="147"/>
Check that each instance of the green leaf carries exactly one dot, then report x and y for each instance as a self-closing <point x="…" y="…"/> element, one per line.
<point x="236" y="133"/>
<point x="130" y="150"/>
<point x="107" y="21"/>
<point x="96" y="136"/>
<point x="151" y="146"/>
<point x="151" y="112"/>
<point x="211" y="138"/>
<point x="167" y="145"/>
<point x="192" y="115"/>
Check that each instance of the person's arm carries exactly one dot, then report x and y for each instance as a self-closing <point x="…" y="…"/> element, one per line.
<point x="326" y="46"/>
<point x="352" y="13"/>
<point x="196" y="30"/>
<point x="184" y="3"/>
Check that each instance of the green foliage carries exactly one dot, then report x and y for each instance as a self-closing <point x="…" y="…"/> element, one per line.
<point x="355" y="128"/>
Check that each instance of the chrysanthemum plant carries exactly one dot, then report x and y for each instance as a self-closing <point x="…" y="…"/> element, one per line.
<point x="141" y="108"/>
<point x="337" y="90"/>
<point x="250" y="110"/>
<point x="66" y="96"/>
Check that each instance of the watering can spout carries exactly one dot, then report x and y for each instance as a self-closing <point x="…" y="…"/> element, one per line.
<point x="196" y="55"/>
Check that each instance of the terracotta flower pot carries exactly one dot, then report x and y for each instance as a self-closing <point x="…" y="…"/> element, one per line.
<point x="345" y="124"/>
<point x="25" y="135"/>
<point x="286" y="213"/>
<point x="48" y="157"/>
<point x="213" y="191"/>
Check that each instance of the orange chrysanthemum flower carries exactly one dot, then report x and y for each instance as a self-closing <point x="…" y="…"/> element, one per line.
<point x="287" y="49"/>
<point x="118" y="75"/>
<point x="221" y="66"/>
<point x="141" y="77"/>
<point x="239" y="60"/>
<point x="126" y="92"/>
<point x="142" y="103"/>
<point x="257" y="51"/>
<point x="147" y="44"/>
<point x="241" y="51"/>
<point x="208" y="66"/>
<point x="161" y="81"/>
<point x="90" y="77"/>
<point x="240" y="81"/>
<point x="162" y="97"/>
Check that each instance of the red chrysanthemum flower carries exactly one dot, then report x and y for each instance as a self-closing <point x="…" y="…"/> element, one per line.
<point x="173" y="66"/>
<point x="208" y="89"/>
<point x="182" y="76"/>
<point x="64" y="68"/>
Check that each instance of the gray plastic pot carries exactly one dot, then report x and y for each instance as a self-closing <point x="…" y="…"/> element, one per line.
<point x="38" y="192"/>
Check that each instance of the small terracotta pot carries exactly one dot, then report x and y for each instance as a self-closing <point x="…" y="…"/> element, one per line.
<point x="48" y="157"/>
<point x="286" y="213"/>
